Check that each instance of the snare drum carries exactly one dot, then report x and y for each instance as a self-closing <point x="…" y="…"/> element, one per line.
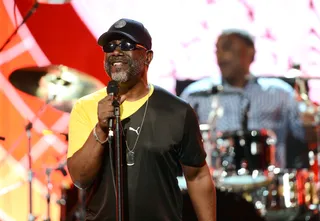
<point x="241" y="159"/>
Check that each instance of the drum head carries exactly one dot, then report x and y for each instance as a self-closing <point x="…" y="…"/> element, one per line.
<point x="244" y="182"/>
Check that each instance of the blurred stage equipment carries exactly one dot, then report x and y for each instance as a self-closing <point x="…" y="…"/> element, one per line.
<point x="49" y="170"/>
<point x="243" y="161"/>
<point x="28" y="15"/>
<point x="58" y="85"/>
<point x="2" y="138"/>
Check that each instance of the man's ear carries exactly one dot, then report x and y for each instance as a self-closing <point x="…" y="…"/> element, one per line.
<point x="149" y="57"/>
<point x="251" y="53"/>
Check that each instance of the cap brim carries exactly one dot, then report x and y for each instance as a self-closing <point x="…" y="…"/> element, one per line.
<point x="109" y="36"/>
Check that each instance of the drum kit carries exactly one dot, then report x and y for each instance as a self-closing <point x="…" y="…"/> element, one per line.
<point x="243" y="162"/>
<point x="59" y="87"/>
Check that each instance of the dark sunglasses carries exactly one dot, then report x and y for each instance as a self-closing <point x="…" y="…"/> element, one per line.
<point x="124" y="46"/>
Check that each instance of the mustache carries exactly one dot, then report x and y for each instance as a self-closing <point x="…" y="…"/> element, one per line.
<point x="114" y="59"/>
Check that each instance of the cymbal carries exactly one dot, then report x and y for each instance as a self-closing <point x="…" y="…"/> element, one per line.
<point x="58" y="85"/>
<point x="292" y="80"/>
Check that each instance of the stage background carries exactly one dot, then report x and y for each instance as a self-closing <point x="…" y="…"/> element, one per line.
<point x="184" y="35"/>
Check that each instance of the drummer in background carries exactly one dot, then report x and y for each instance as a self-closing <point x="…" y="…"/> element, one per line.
<point x="246" y="102"/>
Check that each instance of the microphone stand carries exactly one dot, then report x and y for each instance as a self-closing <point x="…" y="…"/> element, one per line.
<point x="31" y="217"/>
<point x="28" y="15"/>
<point x="119" y="163"/>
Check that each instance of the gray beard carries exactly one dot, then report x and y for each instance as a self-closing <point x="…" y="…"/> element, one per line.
<point x="135" y="68"/>
<point x="120" y="76"/>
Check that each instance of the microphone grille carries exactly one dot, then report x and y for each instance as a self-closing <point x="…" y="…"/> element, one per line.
<point x="113" y="87"/>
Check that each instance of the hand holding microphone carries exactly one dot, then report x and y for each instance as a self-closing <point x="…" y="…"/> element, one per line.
<point x="106" y="106"/>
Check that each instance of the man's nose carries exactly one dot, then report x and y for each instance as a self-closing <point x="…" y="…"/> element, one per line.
<point x="117" y="50"/>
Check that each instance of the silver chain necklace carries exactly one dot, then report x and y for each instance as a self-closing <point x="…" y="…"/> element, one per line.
<point x="130" y="153"/>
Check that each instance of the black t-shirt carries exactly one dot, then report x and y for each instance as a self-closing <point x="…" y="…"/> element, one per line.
<point x="170" y="135"/>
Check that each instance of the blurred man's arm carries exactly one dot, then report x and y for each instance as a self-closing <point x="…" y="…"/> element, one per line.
<point x="202" y="191"/>
<point x="195" y="169"/>
<point x="84" y="152"/>
<point x="85" y="164"/>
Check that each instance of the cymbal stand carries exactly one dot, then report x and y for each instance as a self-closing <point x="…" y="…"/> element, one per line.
<point x="303" y="95"/>
<point x="28" y="128"/>
<point x="51" y="97"/>
<point x="49" y="188"/>
<point x="210" y="137"/>
<point x="26" y="17"/>
<point x="60" y="168"/>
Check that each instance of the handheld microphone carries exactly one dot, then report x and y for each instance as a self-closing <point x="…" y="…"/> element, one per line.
<point x="113" y="90"/>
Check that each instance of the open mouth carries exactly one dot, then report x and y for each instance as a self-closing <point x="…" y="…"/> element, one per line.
<point x="118" y="63"/>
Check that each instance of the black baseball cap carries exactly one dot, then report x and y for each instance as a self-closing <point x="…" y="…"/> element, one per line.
<point x="129" y="28"/>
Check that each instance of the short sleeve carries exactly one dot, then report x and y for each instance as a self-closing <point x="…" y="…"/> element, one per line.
<point x="79" y="128"/>
<point x="192" y="152"/>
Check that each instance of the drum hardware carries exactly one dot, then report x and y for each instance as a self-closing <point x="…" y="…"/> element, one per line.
<point x="282" y="191"/>
<point x="310" y="117"/>
<point x="289" y="195"/>
<point x="68" y="202"/>
<point x="31" y="11"/>
<point x="251" y="150"/>
<point x="287" y="191"/>
<point x="25" y="18"/>
<point x="48" y="172"/>
<point x="242" y="159"/>
<point x="73" y="202"/>
<point x="30" y="173"/>
<point x="207" y="144"/>
<point x="57" y="85"/>
<point x="43" y="83"/>
<point x="28" y="128"/>
<point x="307" y="181"/>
